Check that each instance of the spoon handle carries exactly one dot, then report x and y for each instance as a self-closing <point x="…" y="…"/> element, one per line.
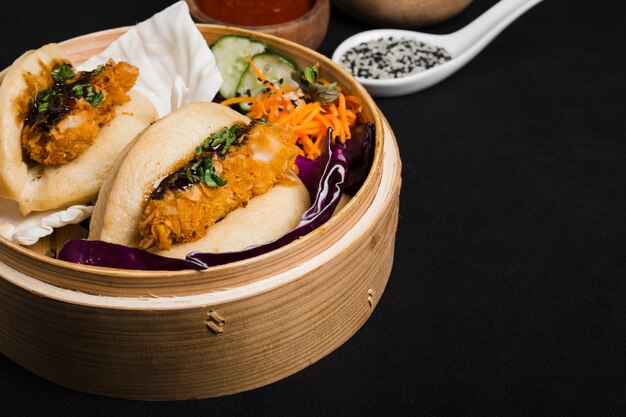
<point x="475" y="36"/>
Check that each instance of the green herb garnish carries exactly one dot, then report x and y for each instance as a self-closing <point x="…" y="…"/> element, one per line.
<point x="95" y="99"/>
<point x="309" y="74"/>
<point x="57" y="99"/>
<point x="221" y="140"/>
<point x="201" y="168"/>
<point x="43" y="107"/>
<point x="307" y="80"/>
<point x="62" y="73"/>
<point x="96" y="71"/>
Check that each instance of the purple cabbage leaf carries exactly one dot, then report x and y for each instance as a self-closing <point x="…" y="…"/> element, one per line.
<point x="361" y="151"/>
<point x="112" y="255"/>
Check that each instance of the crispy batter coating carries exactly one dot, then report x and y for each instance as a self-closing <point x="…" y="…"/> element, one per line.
<point x="73" y="133"/>
<point x="249" y="169"/>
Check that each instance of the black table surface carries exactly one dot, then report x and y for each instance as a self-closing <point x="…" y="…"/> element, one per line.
<point x="507" y="295"/>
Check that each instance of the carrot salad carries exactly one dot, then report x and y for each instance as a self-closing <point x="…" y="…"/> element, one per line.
<point x="308" y="119"/>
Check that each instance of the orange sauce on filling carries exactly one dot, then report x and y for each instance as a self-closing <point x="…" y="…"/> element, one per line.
<point x="254" y="12"/>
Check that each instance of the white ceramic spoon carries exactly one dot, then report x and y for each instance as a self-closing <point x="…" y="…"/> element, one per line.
<point x="463" y="45"/>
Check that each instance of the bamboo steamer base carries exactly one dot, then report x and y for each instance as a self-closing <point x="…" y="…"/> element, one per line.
<point x="209" y="344"/>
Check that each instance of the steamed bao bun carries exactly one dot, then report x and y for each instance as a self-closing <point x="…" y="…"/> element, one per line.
<point x="36" y="187"/>
<point x="154" y="154"/>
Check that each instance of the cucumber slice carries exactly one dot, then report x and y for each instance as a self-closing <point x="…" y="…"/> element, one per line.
<point x="275" y="67"/>
<point x="231" y="55"/>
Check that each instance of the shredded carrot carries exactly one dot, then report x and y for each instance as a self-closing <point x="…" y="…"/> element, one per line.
<point x="237" y="100"/>
<point x="309" y="120"/>
<point x="343" y="116"/>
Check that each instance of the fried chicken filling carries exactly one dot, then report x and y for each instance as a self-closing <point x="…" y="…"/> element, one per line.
<point x="256" y="161"/>
<point x="64" y="120"/>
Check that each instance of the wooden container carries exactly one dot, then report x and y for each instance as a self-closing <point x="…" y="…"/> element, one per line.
<point x="402" y="13"/>
<point x="189" y="334"/>
<point x="307" y="30"/>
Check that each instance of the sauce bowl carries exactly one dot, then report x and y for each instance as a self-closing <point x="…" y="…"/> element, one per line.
<point x="307" y="30"/>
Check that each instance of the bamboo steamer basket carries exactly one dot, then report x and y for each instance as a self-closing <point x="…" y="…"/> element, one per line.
<point x="197" y="334"/>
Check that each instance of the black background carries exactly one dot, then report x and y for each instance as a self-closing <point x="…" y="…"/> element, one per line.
<point x="507" y="295"/>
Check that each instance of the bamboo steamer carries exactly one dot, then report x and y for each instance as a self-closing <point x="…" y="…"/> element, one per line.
<point x="189" y="334"/>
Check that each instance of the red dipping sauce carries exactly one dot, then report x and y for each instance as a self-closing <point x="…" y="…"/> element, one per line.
<point x="254" y="12"/>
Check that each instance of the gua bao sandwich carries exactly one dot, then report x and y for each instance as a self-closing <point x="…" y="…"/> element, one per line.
<point x="61" y="130"/>
<point x="203" y="178"/>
